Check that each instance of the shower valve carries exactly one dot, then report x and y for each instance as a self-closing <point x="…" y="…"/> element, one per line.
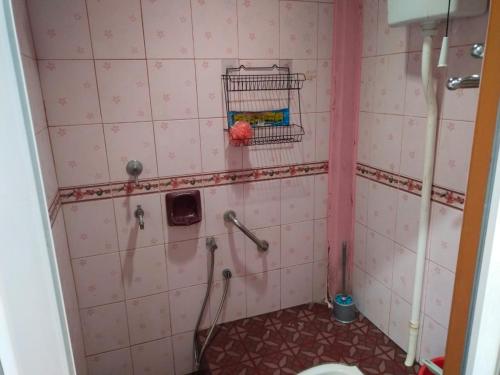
<point x="139" y="214"/>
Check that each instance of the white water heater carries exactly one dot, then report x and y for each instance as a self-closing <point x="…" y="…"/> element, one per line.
<point x="407" y="11"/>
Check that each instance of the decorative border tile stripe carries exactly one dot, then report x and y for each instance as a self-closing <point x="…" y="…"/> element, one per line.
<point x="94" y="192"/>
<point x="440" y="194"/>
<point x="54" y="207"/>
<point x="120" y="189"/>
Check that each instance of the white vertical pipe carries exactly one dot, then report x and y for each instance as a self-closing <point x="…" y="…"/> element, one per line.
<point x="428" y="31"/>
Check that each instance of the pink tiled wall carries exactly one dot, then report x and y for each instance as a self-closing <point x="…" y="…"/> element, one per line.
<point x="35" y="97"/>
<point x="151" y="282"/>
<point x="131" y="79"/>
<point x="141" y="80"/>
<point x="44" y="148"/>
<point x="391" y="138"/>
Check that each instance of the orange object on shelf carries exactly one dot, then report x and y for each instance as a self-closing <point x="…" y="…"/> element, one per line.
<point x="240" y="133"/>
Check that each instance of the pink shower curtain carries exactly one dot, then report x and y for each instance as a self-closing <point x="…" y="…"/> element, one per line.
<point x="347" y="39"/>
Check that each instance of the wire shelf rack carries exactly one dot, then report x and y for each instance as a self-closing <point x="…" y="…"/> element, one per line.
<point x="271" y="90"/>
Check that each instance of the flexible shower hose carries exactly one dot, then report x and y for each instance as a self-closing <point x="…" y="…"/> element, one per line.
<point x="197" y="351"/>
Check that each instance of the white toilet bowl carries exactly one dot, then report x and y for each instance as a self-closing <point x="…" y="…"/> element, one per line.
<point x="332" y="369"/>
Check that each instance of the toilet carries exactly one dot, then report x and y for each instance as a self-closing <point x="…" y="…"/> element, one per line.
<point x="332" y="369"/>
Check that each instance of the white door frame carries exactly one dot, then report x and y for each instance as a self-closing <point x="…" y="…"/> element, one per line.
<point x="33" y="332"/>
<point x="482" y="354"/>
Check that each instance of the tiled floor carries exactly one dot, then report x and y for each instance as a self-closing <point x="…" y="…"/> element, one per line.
<point x="289" y="341"/>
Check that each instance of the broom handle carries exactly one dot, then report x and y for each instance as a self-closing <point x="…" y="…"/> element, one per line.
<point x="344" y="264"/>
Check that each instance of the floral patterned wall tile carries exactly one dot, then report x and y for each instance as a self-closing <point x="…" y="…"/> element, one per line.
<point x="153" y="357"/>
<point x="325" y="31"/>
<point x="258" y="29"/>
<point x="390" y="83"/>
<point x="412" y="147"/>
<point x="98" y="280"/>
<point x="404" y="272"/>
<point x="262" y="261"/>
<point x="116" y="362"/>
<point x="320" y="240"/>
<point x="320" y="279"/>
<point x="172" y="137"/>
<point x="173" y="89"/>
<point x="123" y="90"/>
<point x="209" y="86"/>
<point x="444" y="237"/>
<point x="144" y="271"/>
<point x="263" y="292"/>
<point x="130" y="141"/>
<point x="215" y="28"/>
<point x="389" y="39"/>
<point x="296" y="285"/>
<point x="367" y="90"/>
<point x="297" y="199"/>
<point x="91" y="228"/>
<point x="407" y="220"/>
<point x="377" y="303"/>
<point x="398" y="321"/>
<point x="370" y="24"/>
<point x="359" y="250"/>
<point x="379" y="257"/>
<point x="433" y="342"/>
<point x="382" y="208"/>
<point x="452" y="162"/>
<point x="235" y="306"/>
<point x="116" y="29"/>
<point x="298" y="30"/>
<point x="70" y="92"/>
<point x="129" y="234"/>
<point x="183" y="315"/>
<point x="297" y="243"/>
<point x="262" y="204"/>
<point x="385" y="141"/>
<point x="168" y="29"/>
<point x="80" y="154"/>
<point x="148" y="318"/>
<point x="217" y="201"/>
<point x="216" y="152"/>
<point x="105" y="328"/>
<point x="186" y="263"/>
<point x="439" y="292"/>
<point x="60" y="29"/>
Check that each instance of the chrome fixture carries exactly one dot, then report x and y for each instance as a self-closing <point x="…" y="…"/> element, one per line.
<point x="468" y="82"/>
<point x="198" y="347"/>
<point x="139" y="215"/>
<point x="477" y="50"/>
<point x="134" y="169"/>
<point x="211" y="244"/>
<point x="230" y="217"/>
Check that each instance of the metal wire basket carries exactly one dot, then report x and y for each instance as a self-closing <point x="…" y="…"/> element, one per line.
<point x="261" y="89"/>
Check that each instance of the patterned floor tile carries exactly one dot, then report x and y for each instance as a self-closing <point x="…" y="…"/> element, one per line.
<point x="300" y="332"/>
<point x="243" y="368"/>
<point x="319" y="352"/>
<point x="291" y="340"/>
<point x="263" y="341"/>
<point x="284" y="362"/>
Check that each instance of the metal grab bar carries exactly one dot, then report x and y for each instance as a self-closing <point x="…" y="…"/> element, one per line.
<point x="468" y="82"/>
<point x="230" y="217"/>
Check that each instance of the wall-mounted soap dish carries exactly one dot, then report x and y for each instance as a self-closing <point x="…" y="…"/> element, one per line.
<point x="183" y="208"/>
